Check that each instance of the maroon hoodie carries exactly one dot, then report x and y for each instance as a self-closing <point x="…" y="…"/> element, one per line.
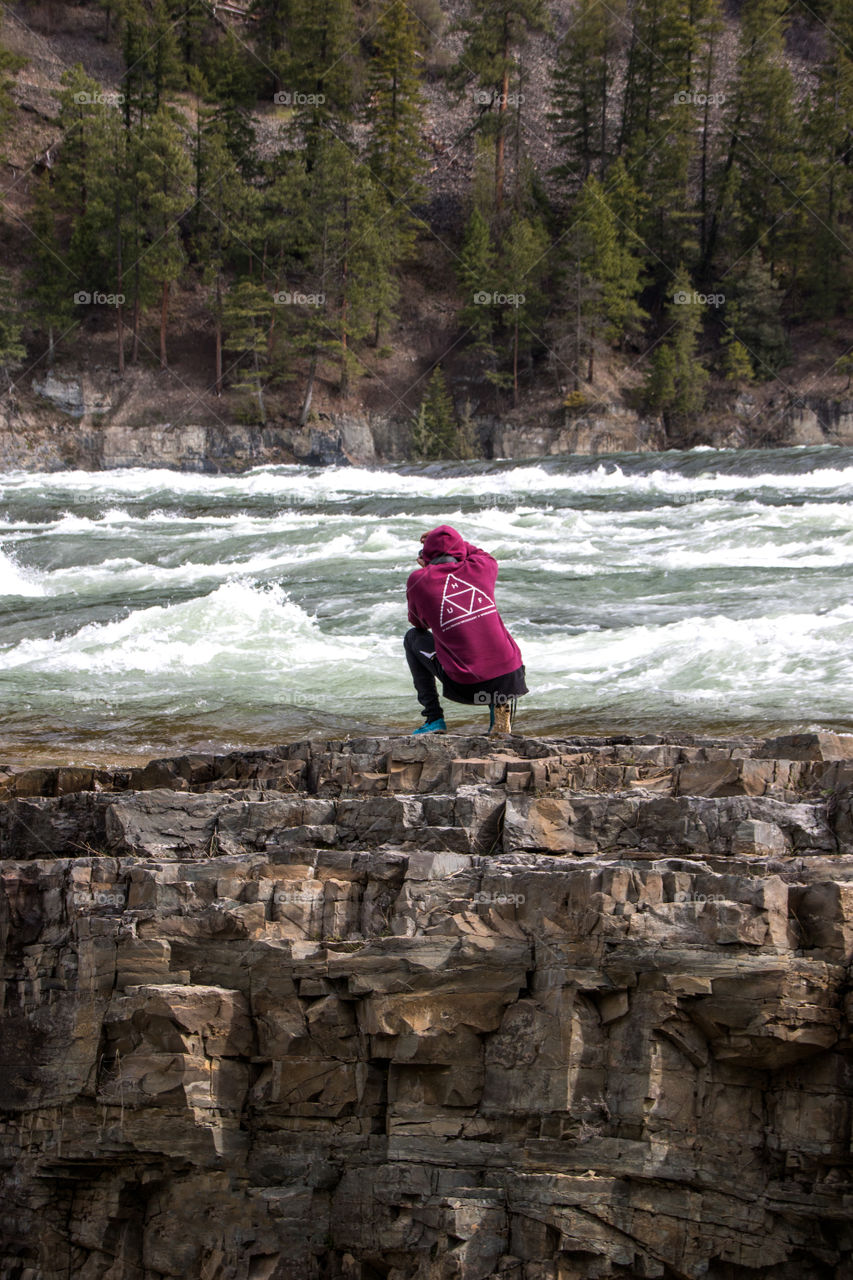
<point x="456" y="602"/>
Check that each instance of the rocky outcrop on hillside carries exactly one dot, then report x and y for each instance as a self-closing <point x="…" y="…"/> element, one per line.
<point x="539" y="1009"/>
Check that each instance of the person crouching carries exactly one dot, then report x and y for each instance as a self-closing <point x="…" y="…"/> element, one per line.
<point x="457" y="635"/>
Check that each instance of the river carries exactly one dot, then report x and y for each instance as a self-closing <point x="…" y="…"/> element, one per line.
<point x="145" y="612"/>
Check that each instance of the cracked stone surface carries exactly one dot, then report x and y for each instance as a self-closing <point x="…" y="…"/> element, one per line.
<point x="431" y="1009"/>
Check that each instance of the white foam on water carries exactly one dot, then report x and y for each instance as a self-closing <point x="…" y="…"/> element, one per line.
<point x="235" y="629"/>
<point x="718" y="659"/>
<point x="15" y="581"/>
<point x="300" y="484"/>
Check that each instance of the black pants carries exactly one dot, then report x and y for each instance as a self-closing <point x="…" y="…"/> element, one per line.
<point x="426" y="669"/>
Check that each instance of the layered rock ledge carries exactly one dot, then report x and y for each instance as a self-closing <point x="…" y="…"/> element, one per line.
<point x="539" y="1009"/>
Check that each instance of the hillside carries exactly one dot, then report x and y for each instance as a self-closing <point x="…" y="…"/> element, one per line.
<point x="599" y="323"/>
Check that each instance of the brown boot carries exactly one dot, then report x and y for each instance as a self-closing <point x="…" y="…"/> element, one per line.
<point x="503" y="719"/>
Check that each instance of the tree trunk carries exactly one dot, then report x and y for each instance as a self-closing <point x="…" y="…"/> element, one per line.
<point x="703" y="178"/>
<point x="309" y="390"/>
<point x="119" y="288"/>
<point x="344" y="387"/>
<point x="499" y="145"/>
<point x="576" y="387"/>
<point x="261" y="407"/>
<point x="164" y="309"/>
<point x="517" y="148"/>
<point x="218" y="330"/>
<point x="602" y="124"/>
<point x="120" y="338"/>
<point x="515" y="364"/>
<point x="315" y="354"/>
<point x="134" y="348"/>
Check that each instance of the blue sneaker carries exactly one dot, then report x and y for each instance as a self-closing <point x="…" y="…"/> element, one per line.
<point x="432" y="726"/>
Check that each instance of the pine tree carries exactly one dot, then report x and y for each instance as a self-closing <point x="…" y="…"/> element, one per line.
<point x="190" y="22"/>
<point x="290" y="248"/>
<point x="274" y="18"/>
<point x="395" y="108"/>
<point x="163" y="189"/>
<point x="82" y="110"/>
<point x="10" y="63"/>
<point x="50" y="282"/>
<point x="658" y="68"/>
<point x="222" y="223"/>
<point x="494" y="32"/>
<point x="90" y="204"/>
<point x="366" y="290"/>
<point x="246" y="318"/>
<point x="757" y="178"/>
<point x="736" y="365"/>
<point x="709" y="29"/>
<point x="671" y="48"/>
<point x="661" y="387"/>
<point x="87" y="160"/>
<point x="476" y="276"/>
<point x="677" y="380"/>
<point x="352" y="258"/>
<point x="12" y="349"/>
<point x="151" y="57"/>
<point x="583" y="77"/>
<point x="602" y="272"/>
<point x="229" y="71"/>
<point x="826" y="183"/>
<point x="610" y="212"/>
<point x="320" y="72"/>
<point x="753" y="316"/>
<point x="435" y="430"/>
<point x="111" y="213"/>
<point x="521" y="268"/>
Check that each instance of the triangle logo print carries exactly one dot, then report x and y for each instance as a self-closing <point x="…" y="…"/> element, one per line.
<point x="462" y="602"/>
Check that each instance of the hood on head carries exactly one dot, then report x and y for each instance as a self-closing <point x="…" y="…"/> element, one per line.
<point x="443" y="541"/>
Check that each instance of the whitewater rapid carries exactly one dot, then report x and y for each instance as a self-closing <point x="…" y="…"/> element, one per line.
<point x="144" y="611"/>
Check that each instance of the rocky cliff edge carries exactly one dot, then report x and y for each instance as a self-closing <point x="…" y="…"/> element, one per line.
<point x="418" y="1009"/>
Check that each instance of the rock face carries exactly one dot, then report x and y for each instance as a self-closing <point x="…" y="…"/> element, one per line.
<point x="110" y="427"/>
<point x="422" y="1010"/>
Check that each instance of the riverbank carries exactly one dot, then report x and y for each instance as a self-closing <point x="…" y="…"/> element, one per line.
<point x="95" y="421"/>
